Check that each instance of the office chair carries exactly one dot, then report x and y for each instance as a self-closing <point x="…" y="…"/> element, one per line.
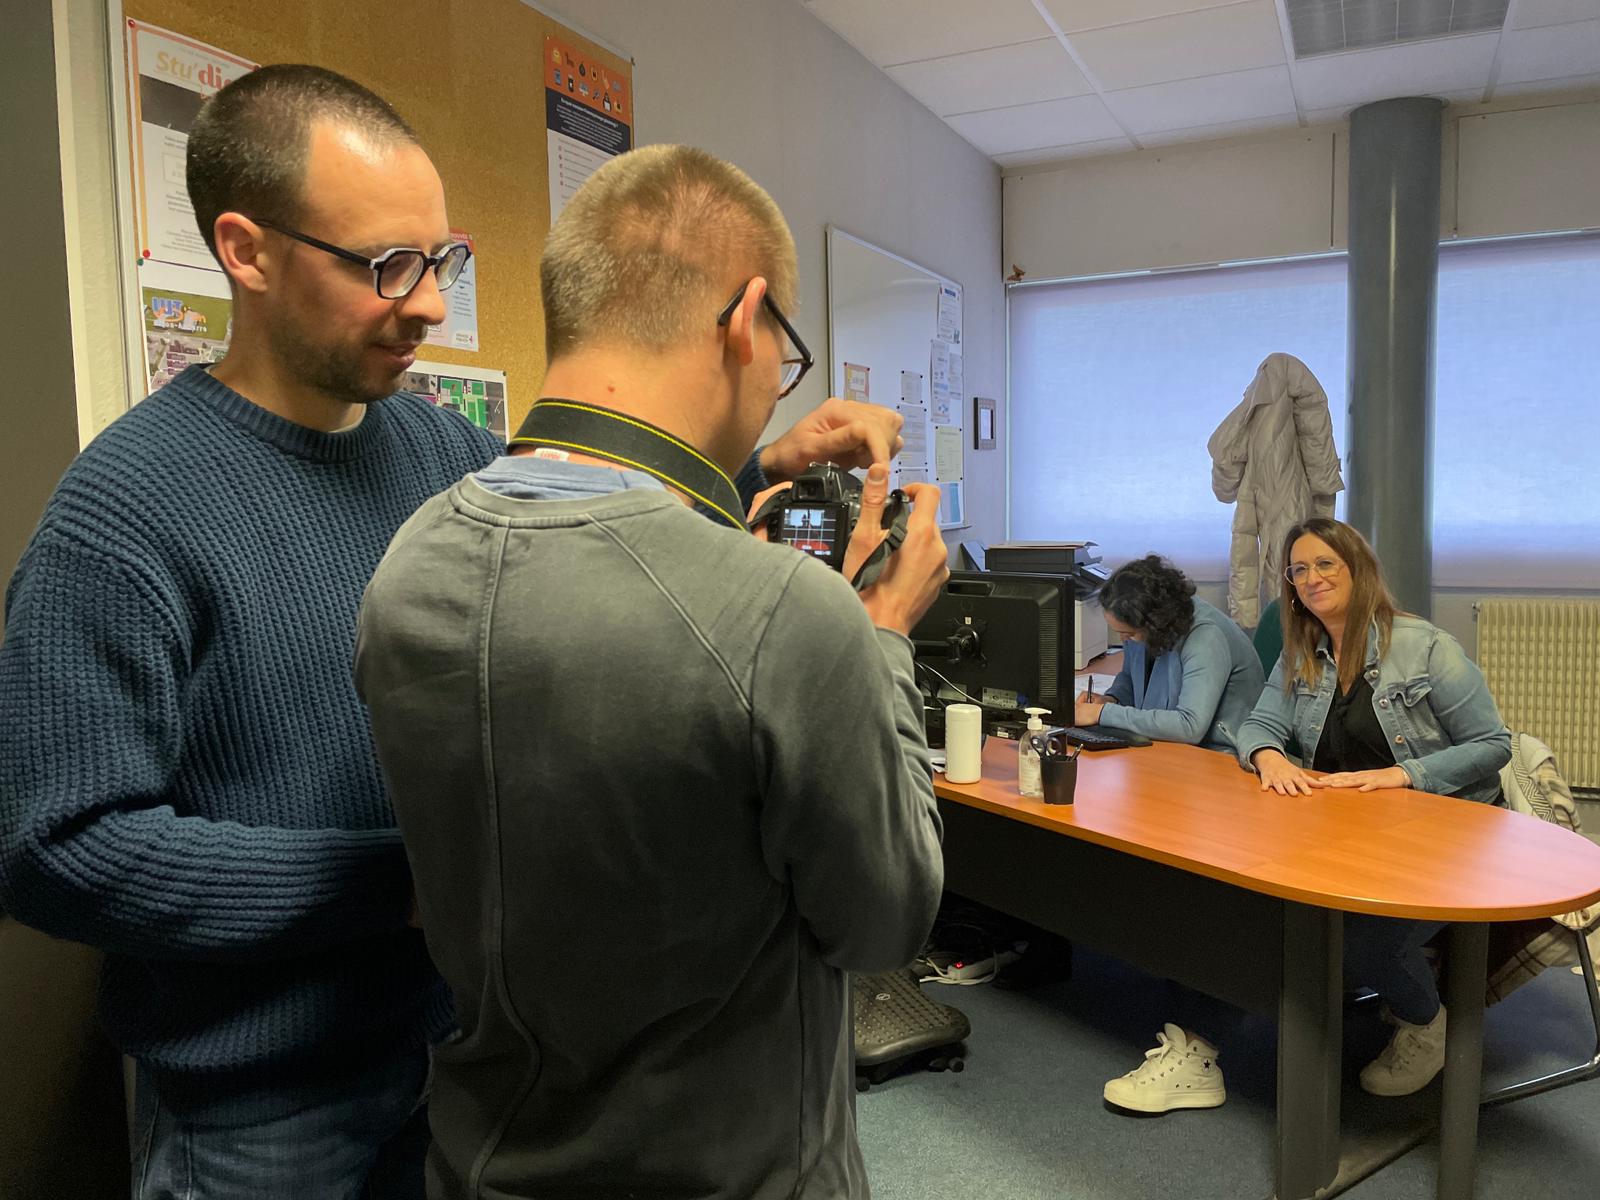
<point x="1268" y="641"/>
<point x="1543" y="793"/>
<point x="1268" y="637"/>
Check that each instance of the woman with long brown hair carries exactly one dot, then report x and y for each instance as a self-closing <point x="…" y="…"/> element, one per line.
<point x="1377" y="698"/>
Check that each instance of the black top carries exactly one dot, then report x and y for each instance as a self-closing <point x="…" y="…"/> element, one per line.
<point x="1352" y="739"/>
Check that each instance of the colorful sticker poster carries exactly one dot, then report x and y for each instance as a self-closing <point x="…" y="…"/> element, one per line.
<point x="588" y="111"/>
<point x="857" y="385"/>
<point x="476" y="393"/>
<point x="187" y="317"/>
<point x="460" y="328"/>
<point x="169" y="78"/>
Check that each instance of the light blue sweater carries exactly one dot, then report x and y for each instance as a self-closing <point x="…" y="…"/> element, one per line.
<point x="1200" y="692"/>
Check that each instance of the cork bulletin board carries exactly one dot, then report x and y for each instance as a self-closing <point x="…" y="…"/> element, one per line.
<point x="469" y="76"/>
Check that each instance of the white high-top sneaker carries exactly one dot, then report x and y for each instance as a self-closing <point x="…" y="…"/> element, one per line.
<point x="1414" y="1055"/>
<point x="1180" y="1072"/>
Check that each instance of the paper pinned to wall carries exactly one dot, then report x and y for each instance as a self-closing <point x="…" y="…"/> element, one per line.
<point x="947" y="464"/>
<point x="950" y="313"/>
<point x="187" y="316"/>
<point x="169" y="77"/>
<point x="588" y="116"/>
<point x="460" y="328"/>
<point x="914" y="454"/>
<point x="911" y="387"/>
<point x="939" y="396"/>
<point x="477" y="393"/>
<point x="857" y="382"/>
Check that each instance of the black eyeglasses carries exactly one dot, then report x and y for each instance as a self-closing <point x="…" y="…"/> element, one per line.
<point x="794" y="369"/>
<point x="395" y="272"/>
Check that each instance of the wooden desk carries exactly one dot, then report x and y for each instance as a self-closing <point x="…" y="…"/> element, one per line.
<point x="1174" y="859"/>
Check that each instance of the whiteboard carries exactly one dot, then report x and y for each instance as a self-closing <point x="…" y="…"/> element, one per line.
<point x="884" y="315"/>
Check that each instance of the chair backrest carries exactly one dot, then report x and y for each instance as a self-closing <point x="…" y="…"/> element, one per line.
<point x="1268" y="637"/>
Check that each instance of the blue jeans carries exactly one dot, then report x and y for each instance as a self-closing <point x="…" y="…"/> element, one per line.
<point x="1385" y="954"/>
<point x="364" y="1137"/>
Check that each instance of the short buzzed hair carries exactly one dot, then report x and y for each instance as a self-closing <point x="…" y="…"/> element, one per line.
<point x="250" y="144"/>
<point x="642" y="253"/>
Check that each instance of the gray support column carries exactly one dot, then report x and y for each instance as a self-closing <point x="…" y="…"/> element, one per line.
<point x="1394" y="267"/>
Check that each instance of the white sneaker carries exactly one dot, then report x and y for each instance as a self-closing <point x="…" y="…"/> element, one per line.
<point x="1180" y="1072"/>
<point x="1414" y="1055"/>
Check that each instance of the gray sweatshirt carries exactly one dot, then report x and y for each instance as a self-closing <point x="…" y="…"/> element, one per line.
<point x="662" y="786"/>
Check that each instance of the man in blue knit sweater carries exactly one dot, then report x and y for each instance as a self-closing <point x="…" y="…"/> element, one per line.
<point x="187" y="779"/>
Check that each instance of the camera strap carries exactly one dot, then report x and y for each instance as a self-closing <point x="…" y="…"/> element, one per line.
<point x="630" y="442"/>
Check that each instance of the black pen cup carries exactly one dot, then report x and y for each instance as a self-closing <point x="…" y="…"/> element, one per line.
<point x="1060" y="776"/>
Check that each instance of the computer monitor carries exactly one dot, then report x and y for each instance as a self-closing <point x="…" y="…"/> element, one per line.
<point x="1004" y="640"/>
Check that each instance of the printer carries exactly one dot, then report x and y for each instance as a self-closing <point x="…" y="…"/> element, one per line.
<point x="1076" y="561"/>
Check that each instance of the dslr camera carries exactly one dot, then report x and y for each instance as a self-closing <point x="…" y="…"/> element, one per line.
<point x="819" y="511"/>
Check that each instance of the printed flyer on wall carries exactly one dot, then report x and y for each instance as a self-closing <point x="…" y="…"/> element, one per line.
<point x="187" y="317"/>
<point x="588" y="110"/>
<point x="477" y="393"/>
<point x="169" y="77"/>
<point x="460" y="328"/>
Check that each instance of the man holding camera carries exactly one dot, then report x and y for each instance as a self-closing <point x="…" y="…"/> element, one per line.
<point x="662" y="785"/>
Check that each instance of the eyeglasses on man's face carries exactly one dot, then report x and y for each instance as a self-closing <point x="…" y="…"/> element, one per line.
<point x="1326" y="568"/>
<point x="397" y="271"/>
<point x="794" y="368"/>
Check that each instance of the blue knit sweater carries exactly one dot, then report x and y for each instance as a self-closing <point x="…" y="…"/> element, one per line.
<point x="187" y="779"/>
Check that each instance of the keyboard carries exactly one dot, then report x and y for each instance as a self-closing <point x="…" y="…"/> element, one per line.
<point x="1102" y="739"/>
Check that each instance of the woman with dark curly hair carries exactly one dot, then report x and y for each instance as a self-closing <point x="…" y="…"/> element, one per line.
<point x="1188" y="674"/>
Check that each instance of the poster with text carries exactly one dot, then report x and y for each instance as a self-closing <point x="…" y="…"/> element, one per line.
<point x="169" y="77"/>
<point x="460" y="328"/>
<point x="187" y="316"/>
<point x="588" y="109"/>
<point x="477" y="393"/>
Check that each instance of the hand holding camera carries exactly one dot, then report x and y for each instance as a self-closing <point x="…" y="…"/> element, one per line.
<point x="887" y="544"/>
<point x="915" y="574"/>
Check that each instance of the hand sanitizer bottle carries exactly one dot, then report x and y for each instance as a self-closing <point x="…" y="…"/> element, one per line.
<point x="1029" y="780"/>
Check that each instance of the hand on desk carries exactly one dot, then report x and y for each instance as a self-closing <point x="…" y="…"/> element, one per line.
<point x="1365" y="781"/>
<point x="1280" y="775"/>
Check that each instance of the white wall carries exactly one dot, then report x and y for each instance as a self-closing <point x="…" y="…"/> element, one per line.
<point x="1526" y="165"/>
<point x="766" y="85"/>
<point x="1529" y="165"/>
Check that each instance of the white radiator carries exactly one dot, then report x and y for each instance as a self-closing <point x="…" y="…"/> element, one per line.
<point x="1542" y="661"/>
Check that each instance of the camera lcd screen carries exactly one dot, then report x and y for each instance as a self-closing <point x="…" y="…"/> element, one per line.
<point x="811" y="528"/>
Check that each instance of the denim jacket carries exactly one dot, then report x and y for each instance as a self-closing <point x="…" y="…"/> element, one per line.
<point x="1429" y="698"/>
<point x="1200" y="692"/>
